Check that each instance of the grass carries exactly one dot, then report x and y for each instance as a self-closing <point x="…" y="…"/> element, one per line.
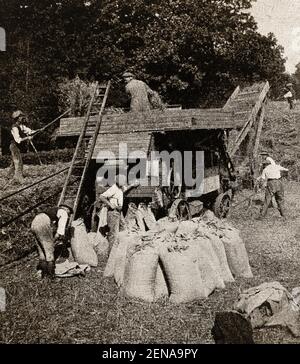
<point x="91" y="310"/>
<point x="15" y="239"/>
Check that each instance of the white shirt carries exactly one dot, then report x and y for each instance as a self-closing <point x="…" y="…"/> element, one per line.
<point x="115" y="196"/>
<point x="62" y="221"/>
<point x="272" y="171"/>
<point x="288" y="94"/>
<point x="16" y="134"/>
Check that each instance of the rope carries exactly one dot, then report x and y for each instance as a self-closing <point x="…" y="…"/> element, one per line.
<point x="28" y="210"/>
<point x="51" y="122"/>
<point x="33" y="184"/>
<point x="32" y="207"/>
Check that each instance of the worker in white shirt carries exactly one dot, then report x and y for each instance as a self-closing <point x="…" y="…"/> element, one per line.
<point x="271" y="175"/>
<point x="49" y="228"/>
<point x="19" y="134"/>
<point x="113" y="199"/>
<point x="290" y="95"/>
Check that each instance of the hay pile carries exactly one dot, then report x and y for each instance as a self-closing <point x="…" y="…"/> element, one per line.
<point x="280" y="136"/>
<point x="184" y="261"/>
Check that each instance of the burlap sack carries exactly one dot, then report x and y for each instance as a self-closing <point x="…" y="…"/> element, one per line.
<point x="110" y="265"/>
<point x="99" y="243"/>
<point x="186" y="227"/>
<point x="183" y="275"/>
<point x="220" y="252"/>
<point x="125" y="240"/>
<point x="140" y="274"/>
<point x="209" y="266"/>
<point x="161" y="288"/>
<point x="165" y="224"/>
<point x="82" y="250"/>
<point x="236" y="253"/>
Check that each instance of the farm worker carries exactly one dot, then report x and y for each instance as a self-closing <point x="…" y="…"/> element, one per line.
<point x="290" y="95"/>
<point x="271" y="175"/>
<point x="113" y="199"/>
<point x="142" y="97"/>
<point x="19" y="134"/>
<point x="52" y="221"/>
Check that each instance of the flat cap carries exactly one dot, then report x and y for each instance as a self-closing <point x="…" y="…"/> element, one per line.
<point x="17" y="114"/>
<point x="128" y="74"/>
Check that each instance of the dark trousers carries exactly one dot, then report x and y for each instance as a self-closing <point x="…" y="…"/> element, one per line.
<point x="274" y="188"/>
<point x="291" y="102"/>
<point x="16" y="167"/>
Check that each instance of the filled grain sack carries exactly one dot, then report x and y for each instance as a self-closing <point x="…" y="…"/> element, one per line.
<point x="99" y="243"/>
<point x="186" y="227"/>
<point x="161" y="288"/>
<point x="110" y="264"/>
<point x="125" y="239"/>
<point x="83" y="252"/>
<point x="236" y="253"/>
<point x="140" y="273"/>
<point x="165" y="224"/>
<point x="183" y="277"/>
<point x="220" y="252"/>
<point x="208" y="265"/>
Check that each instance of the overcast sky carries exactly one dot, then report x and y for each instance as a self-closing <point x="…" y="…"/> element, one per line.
<point x="281" y="17"/>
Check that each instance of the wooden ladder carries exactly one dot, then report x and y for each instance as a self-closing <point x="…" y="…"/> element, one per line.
<point x="77" y="172"/>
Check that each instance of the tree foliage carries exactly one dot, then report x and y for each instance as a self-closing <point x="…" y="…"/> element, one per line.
<point x="194" y="52"/>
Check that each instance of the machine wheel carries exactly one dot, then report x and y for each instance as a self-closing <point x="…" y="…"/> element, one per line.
<point x="180" y="210"/>
<point x="222" y="205"/>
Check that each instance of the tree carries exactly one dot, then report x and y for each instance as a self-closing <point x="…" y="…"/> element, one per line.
<point x="194" y="52"/>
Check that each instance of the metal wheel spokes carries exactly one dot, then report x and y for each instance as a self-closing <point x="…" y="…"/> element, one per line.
<point x="222" y="205"/>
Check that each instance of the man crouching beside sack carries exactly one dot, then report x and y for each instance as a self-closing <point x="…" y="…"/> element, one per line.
<point x="49" y="228"/>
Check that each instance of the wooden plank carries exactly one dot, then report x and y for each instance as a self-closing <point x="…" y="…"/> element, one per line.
<point x="232" y="97"/>
<point x="250" y="121"/>
<point x="110" y="142"/>
<point x="138" y="122"/>
<point x="258" y="132"/>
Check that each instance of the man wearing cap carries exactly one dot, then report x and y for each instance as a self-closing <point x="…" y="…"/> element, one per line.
<point x="19" y="134"/>
<point x="142" y="97"/>
<point x="113" y="200"/>
<point x="271" y="175"/>
<point x="290" y="95"/>
<point x="49" y="228"/>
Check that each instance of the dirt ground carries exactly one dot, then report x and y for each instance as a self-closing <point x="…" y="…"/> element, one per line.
<point x="90" y="310"/>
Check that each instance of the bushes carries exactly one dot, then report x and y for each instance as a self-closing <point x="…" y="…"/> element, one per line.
<point x="47" y="157"/>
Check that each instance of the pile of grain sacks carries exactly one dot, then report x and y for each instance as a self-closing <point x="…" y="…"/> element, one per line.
<point x="184" y="261"/>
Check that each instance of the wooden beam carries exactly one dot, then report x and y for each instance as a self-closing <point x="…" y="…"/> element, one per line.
<point x="251" y="120"/>
<point x="232" y="97"/>
<point x="258" y="131"/>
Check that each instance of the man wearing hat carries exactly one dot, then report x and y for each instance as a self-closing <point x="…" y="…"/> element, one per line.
<point x="271" y="175"/>
<point x="19" y="134"/>
<point x="49" y="228"/>
<point x="142" y="97"/>
<point x="290" y="95"/>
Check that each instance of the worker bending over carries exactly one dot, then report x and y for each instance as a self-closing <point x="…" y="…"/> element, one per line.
<point x="49" y="228"/>
<point x="271" y="175"/>
<point x="19" y="134"/>
<point x="142" y="97"/>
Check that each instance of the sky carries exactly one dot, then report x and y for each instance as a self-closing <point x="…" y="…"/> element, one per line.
<point x="281" y="17"/>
